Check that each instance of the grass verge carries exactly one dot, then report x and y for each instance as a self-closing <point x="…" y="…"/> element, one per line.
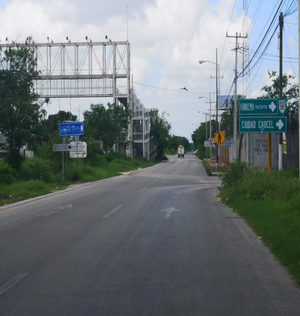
<point x="269" y="202"/>
<point x="31" y="184"/>
<point x="209" y="169"/>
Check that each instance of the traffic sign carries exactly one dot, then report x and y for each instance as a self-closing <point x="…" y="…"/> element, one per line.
<point x="227" y="143"/>
<point x="61" y="147"/>
<point x="71" y="129"/>
<point x="78" y="150"/>
<point x="212" y="142"/>
<point x="263" y="124"/>
<point x="207" y="143"/>
<point x="219" y="138"/>
<point x="262" y="106"/>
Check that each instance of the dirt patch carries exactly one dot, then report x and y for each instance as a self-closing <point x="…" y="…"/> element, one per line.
<point x="7" y="199"/>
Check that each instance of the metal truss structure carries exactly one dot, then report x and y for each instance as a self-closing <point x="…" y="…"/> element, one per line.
<point x="83" y="70"/>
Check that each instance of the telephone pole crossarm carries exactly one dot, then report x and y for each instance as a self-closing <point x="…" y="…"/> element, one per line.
<point x="237" y="37"/>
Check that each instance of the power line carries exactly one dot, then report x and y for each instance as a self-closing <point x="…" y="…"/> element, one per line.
<point x="244" y="72"/>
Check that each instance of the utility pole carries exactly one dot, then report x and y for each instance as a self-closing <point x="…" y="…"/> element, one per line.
<point x="235" y="149"/>
<point x="217" y="99"/>
<point x="210" y="136"/>
<point x="299" y="84"/>
<point x="280" y="153"/>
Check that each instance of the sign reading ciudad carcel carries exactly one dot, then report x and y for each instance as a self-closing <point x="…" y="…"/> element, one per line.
<point x="263" y="124"/>
<point x="262" y="107"/>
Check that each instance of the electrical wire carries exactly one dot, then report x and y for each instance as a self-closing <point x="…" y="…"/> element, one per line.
<point x="288" y="51"/>
<point x="247" y="68"/>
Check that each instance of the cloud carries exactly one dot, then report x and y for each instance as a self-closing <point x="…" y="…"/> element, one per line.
<point x="167" y="39"/>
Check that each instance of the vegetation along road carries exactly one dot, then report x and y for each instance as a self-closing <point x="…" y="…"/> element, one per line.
<point x="151" y="242"/>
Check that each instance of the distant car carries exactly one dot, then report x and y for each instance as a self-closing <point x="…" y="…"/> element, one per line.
<point x="195" y="152"/>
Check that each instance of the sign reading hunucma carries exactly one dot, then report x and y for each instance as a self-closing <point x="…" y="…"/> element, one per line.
<point x="263" y="124"/>
<point x="262" y="106"/>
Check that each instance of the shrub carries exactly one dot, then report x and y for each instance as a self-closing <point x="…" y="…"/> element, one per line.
<point x="234" y="173"/>
<point x="7" y="173"/>
<point x="35" y="169"/>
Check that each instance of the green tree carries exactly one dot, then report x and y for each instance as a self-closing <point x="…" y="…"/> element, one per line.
<point x="227" y="122"/>
<point x="290" y="91"/>
<point x="174" y="141"/>
<point x="107" y="124"/>
<point x="51" y="124"/>
<point x="198" y="137"/>
<point x="19" y="110"/>
<point x="160" y="128"/>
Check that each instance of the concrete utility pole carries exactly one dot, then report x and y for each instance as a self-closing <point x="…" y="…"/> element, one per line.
<point x="298" y="77"/>
<point x="235" y="149"/>
<point x="210" y="116"/>
<point x="217" y="99"/>
<point x="280" y="153"/>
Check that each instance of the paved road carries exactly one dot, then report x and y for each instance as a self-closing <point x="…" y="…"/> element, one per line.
<point x="151" y="242"/>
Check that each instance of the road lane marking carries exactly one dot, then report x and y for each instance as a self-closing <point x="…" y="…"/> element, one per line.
<point x="169" y="211"/>
<point x="48" y="214"/>
<point x="63" y="207"/>
<point x="4" y="288"/>
<point x="113" y="211"/>
<point x="59" y="208"/>
<point x="143" y="190"/>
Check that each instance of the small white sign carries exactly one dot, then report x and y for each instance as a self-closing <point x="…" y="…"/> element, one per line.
<point x="282" y="106"/>
<point x="78" y="150"/>
<point x="207" y="143"/>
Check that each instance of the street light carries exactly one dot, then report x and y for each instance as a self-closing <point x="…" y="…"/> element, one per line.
<point x="215" y="63"/>
<point x="205" y="113"/>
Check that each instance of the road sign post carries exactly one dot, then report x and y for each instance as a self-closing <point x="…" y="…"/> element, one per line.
<point x="271" y="123"/>
<point x="262" y="107"/>
<point x="71" y="129"/>
<point x="263" y="124"/>
<point x="61" y="147"/>
<point x="78" y="149"/>
<point x="219" y="138"/>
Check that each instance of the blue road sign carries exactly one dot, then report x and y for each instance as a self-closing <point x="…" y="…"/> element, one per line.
<point x="227" y="143"/>
<point x="262" y="107"/>
<point x="71" y="129"/>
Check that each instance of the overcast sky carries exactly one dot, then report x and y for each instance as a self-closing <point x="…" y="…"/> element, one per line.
<point x="168" y="38"/>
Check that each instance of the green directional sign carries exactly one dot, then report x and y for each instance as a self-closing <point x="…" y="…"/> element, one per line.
<point x="262" y="106"/>
<point x="263" y="124"/>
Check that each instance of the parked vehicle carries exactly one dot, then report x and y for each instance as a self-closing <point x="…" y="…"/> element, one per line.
<point x="180" y="151"/>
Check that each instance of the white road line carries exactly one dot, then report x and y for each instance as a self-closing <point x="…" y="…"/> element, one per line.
<point x="113" y="211"/>
<point x="49" y="214"/>
<point x="143" y="190"/>
<point x="4" y="288"/>
<point x="167" y="215"/>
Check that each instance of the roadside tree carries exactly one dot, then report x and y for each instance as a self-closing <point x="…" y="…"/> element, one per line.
<point x="160" y="128"/>
<point x="19" y="109"/>
<point x="109" y="124"/>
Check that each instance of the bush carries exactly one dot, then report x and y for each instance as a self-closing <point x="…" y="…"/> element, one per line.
<point x="7" y="173"/>
<point x="234" y="173"/>
<point x="35" y="169"/>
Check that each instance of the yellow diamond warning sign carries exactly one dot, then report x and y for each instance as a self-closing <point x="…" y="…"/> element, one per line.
<point x="219" y="138"/>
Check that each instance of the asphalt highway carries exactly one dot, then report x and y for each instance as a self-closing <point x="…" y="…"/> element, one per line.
<point x="155" y="241"/>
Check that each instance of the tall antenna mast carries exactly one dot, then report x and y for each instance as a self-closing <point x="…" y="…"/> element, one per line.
<point x="127" y="22"/>
<point x="245" y="44"/>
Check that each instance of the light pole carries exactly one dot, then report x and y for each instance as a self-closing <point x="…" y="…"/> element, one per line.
<point x="217" y="90"/>
<point x="205" y="113"/>
<point x="210" y="115"/>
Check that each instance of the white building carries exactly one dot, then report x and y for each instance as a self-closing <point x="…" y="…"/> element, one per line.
<point x="139" y="136"/>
